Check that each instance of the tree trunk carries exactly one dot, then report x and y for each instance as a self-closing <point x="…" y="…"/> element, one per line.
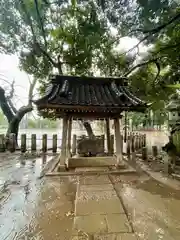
<point x="89" y="130"/>
<point x="14" y="124"/>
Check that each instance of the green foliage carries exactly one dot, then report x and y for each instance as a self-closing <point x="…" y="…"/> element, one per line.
<point x="42" y="124"/>
<point x="176" y="140"/>
<point x="75" y="38"/>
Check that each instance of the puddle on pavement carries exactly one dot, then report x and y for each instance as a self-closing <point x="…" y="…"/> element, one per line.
<point x="43" y="209"/>
<point x="152" y="206"/>
<point x="33" y="208"/>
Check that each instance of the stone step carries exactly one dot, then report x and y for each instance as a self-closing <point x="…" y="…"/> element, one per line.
<point x="92" y="169"/>
<point x="91" y="162"/>
<point x="99" y="213"/>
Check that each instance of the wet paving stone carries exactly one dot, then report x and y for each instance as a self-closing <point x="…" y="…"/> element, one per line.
<point x="118" y="223"/>
<point x="118" y="236"/>
<point x="91" y="224"/>
<point x="96" y="196"/>
<point x="96" y="179"/>
<point x="98" y="207"/>
<point x="97" y="187"/>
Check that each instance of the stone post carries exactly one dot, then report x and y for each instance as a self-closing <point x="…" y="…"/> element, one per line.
<point x="74" y="145"/>
<point x="144" y="140"/>
<point x="141" y="141"/>
<point x="12" y="142"/>
<point x="128" y="144"/>
<point x="136" y="142"/>
<point x="44" y="143"/>
<point x="2" y="143"/>
<point x="154" y="151"/>
<point x="133" y="156"/>
<point x="144" y="153"/>
<point x="132" y="143"/>
<point x="54" y="143"/>
<point x="33" y="142"/>
<point x="23" y="143"/>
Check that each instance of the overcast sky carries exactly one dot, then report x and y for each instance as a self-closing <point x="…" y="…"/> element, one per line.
<point x="9" y="70"/>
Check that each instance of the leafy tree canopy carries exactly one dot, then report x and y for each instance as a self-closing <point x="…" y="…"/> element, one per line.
<point x="75" y="37"/>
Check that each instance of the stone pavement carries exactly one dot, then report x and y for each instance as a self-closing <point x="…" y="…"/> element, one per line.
<point x="99" y="214"/>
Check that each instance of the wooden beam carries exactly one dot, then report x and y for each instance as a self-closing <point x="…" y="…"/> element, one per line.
<point x="96" y="80"/>
<point x="87" y="107"/>
<point x="83" y="115"/>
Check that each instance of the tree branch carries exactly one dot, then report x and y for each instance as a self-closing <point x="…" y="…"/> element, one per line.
<point x="11" y="94"/>
<point x="158" y="71"/>
<point x="12" y="106"/>
<point x="166" y="48"/>
<point x="133" y="48"/>
<point x="34" y="36"/>
<point x="141" y="65"/>
<point x="153" y="31"/>
<point x="41" y="22"/>
<point x="159" y="28"/>
<point x="31" y="89"/>
<point x="28" y="18"/>
<point x="5" y="106"/>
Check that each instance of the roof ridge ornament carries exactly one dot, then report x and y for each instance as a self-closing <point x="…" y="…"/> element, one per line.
<point x="64" y="88"/>
<point x="115" y="89"/>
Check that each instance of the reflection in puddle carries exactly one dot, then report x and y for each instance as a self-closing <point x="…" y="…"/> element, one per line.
<point x="21" y="208"/>
<point x="154" y="209"/>
<point x="36" y="208"/>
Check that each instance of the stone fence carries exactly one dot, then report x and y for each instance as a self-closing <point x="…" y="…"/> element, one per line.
<point x="134" y="142"/>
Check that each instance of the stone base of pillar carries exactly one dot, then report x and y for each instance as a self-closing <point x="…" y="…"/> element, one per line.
<point x="119" y="159"/>
<point x="62" y="168"/>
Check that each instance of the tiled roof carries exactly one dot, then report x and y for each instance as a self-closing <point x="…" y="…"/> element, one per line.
<point x="73" y="92"/>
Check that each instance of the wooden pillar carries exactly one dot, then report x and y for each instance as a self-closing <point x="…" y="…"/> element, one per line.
<point x="74" y="144"/>
<point x="103" y="140"/>
<point x="122" y="139"/>
<point x="69" y="137"/>
<point x="108" y="136"/>
<point x="64" y="139"/>
<point x="112" y="145"/>
<point x="118" y="140"/>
